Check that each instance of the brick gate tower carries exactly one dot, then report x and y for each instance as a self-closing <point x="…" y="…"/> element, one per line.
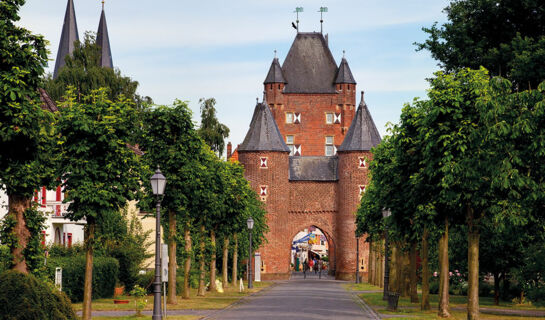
<point x="306" y="155"/>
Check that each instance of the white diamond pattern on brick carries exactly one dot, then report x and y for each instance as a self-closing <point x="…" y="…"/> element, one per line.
<point x="337" y="118"/>
<point x="263" y="164"/>
<point x="297" y="150"/>
<point x="264" y="191"/>
<point x="362" y="164"/>
<point x="297" y="118"/>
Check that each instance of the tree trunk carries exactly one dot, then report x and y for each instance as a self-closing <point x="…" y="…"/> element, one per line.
<point x="406" y="274"/>
<point x="224" y="268"/>
<point x="235" y="261"/>
<point x="201" y="290"/>
<point x="88" y="283"/>
<point x="496" y="288"/>
<point x="380" y="265"/>
<point x="413" y="274"/>
<point x="213" y="261"/>
<point x="171" y="295"/>
<point x="473" y="267"/>
<point x="443" y="274"/>
<point x="425" y="272"/>
<point x="187" y="262"/>
<point x="370" y="263"/>
<point x="392" y="286"/>
<point x="16" y="209"/>
<point x="399" y="270"/>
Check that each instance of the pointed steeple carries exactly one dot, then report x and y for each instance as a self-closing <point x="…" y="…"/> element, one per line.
<point x="263" y="134"/>
<point x="362" y="134"/>
<point x="69" y="34"/>
<point x="275" y="73"/>
<point x="344" y="75"/>
<point x="103" y="41"/>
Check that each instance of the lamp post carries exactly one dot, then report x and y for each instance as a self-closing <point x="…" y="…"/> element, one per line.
<point x="250" y="223"/>
<point x="357" y="259"/>
<point x="158" y="182"/>
<point x="385" y="214"/>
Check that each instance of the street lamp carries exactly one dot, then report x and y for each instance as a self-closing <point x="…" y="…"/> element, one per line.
<point x="385" y="214"/>
<point x="250" y="223"/>
<point x="158" y="182"/>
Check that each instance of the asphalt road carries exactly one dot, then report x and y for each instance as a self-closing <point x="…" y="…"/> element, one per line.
<point x="300" y="299"/>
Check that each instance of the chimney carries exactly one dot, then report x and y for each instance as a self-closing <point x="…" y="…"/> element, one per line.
<point x="229" y="149"/>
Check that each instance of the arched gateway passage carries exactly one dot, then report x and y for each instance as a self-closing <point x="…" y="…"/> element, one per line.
<point x="314" y="248"/>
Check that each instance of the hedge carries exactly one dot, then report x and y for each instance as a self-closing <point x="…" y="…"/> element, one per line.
<point x="24" y="297"/>
<point x="105" y="274"/>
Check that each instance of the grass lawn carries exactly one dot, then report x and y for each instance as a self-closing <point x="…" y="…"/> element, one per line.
<point x="211" y="300"/>
<point x="412" y="310"/>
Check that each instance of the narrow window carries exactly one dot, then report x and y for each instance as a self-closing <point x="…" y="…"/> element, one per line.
<point x="329" y="147"/>
<point x="329" y="118"/>
<point x="289" y="142"/>
<point x="289" y="117"/>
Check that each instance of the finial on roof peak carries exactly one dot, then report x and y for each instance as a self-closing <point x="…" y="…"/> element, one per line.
<point x="344" y="52"/>
<point x="256" y="100"/>
<point x="264" y="100"/>
<point x="362" y="94"/>
<point x="275" y="53"/>
<point x="102" y="4"/>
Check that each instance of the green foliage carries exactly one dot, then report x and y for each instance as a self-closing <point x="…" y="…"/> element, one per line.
<point x="139" y="294"/>
<point x="26" y="131"/>
<point x="58" y="251"/>
<point x="146" y="281"/>
<point x="84" y="73"/>
<point x="531" y="273"/>
<point x="211" y="130"/>
<point x="507" y="37"/>
<point x="122" y="237"/>
<point x="5" y="258"/>
<point x="99" y="170"/>
<point x="24" y="297"/>
<point x="105" y="273"/>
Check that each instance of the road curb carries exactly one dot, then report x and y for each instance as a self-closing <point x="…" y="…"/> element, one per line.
<point x="365" y="306"/>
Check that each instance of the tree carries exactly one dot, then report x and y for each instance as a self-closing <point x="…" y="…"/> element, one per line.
<point x="505" y="36"/>
<point x="211" y="130"/>
<point x="83" y="72"/>
<point x="26" y="131"/>
<point x="171" y="142"/>
<point x="100" y="172"/>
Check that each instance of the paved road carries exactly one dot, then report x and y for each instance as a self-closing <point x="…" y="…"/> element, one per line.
<point x="300" y="299"/>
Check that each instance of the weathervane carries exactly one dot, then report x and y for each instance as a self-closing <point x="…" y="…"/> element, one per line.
<point x="322" y="10"/>
<point x="297" y="10"/>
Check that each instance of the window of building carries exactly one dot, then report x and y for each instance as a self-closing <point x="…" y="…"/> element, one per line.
<point x="289" y="117"/>
<point x="289" y="142"/>
<point x="329" y="118"/>
<point x="329" y="147"/>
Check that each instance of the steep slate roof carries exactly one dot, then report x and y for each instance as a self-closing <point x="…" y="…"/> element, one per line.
<point x="103" y="41"/>
<point x="69" y="34"/>
<point x="275" y="73"/>
<point x="263" y="134"/>
<point x="344" y="75"/>
<point x="313" y="169"/>
<point x="362" y="134"/>
<point x="309" y="66"/>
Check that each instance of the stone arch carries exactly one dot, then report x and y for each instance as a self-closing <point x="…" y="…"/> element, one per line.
<point x="326" y="228"/>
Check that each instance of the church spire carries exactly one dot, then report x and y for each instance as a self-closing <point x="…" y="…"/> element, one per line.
<point x="362" y="134"/>
<point x="69" y="35"/>
<point x="275" y="72"/>
<point x="344" y="75"/>
<point x="103" y="41"/>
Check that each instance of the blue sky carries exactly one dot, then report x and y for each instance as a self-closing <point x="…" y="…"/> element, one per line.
<point x="223" y="49"/>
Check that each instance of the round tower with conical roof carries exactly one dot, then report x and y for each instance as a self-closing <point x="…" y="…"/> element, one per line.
<point x="354" y="155"/>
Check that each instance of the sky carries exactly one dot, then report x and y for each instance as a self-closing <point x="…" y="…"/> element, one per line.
<point x="189" y="50"/>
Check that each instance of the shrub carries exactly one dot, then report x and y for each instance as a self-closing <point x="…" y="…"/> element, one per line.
<point x="24" y="297"/>
<point x="105" y="273"/>
<point x="485" y="289"/>
<point x="146" y="281"/>
<point x="5" y="258"/>
<point x="434" y="287"/>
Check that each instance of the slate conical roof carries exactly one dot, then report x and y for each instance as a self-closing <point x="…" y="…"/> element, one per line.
<point x="362" y="134"/>
<point x="69" y="34"/>
<point x="309" y="66"/>
<point x="344" y="75"/>
<point x="103" y="41"/>
<point x="263" y="134"/>
<point x="275" y="73"/>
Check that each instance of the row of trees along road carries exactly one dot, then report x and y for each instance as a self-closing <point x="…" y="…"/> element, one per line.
<point x="103" y="144"/>
<point x="469" y="158"/>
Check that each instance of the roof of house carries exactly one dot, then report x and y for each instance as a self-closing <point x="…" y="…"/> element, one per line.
<point x="344" y="75"/>
<point x="275" y="73"/>
<point x="309" y="66"/>
<point x="69" y="34"/>
<point x="103" y="41"/>
<point x="263" y="134"/>
<point x="362" y="134"/>
<point x="313" y="168"/>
